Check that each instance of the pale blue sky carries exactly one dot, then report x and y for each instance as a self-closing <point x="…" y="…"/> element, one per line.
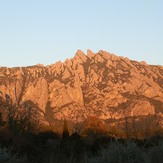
<point x="45" y="31"/>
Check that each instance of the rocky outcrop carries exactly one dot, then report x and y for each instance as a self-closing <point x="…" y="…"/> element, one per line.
<point x="96" y="84"/>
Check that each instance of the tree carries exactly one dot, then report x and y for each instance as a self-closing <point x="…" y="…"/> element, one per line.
<point x="65" y="133"/>
<point x="20" y="118"/>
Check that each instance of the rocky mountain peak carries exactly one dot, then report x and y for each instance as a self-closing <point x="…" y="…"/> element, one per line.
<point x="97" y="84"/>
<point x="80" y="56"/>
<point x="90" y="54"/>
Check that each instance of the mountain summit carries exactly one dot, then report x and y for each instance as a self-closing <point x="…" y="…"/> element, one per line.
<point x="96" y="84"/>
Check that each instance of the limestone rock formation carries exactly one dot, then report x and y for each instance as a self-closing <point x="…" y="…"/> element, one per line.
<point x="96" y="84"/>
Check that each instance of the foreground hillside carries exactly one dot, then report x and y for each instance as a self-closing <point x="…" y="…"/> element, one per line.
<point x="99" y="85"/>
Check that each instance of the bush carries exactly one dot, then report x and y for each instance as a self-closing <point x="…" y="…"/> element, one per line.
<point x="155" y="153"/>
<point x="120" y="153"/>
<point x="6" y="156"/>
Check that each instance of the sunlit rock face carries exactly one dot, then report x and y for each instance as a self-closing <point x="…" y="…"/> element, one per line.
<point x="93" y="84"/>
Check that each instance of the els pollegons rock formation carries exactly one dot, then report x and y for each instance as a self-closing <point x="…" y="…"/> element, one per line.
<point x="100" y="85"/>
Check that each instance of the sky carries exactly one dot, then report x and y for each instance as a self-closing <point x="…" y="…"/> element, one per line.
<point x="46" y="31"/>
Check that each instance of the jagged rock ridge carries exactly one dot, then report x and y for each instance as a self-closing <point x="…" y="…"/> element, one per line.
<point x="102" y="85"/>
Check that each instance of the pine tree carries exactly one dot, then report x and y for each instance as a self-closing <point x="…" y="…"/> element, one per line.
<point x="65" y="133"/>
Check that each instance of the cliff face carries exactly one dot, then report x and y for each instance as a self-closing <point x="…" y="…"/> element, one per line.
<point x="102" y="85"/>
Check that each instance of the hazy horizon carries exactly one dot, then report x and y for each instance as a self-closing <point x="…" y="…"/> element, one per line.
<point x="45" y="32"/>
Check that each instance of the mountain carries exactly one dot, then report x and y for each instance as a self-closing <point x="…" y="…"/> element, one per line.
<point x="96" y="84"/>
